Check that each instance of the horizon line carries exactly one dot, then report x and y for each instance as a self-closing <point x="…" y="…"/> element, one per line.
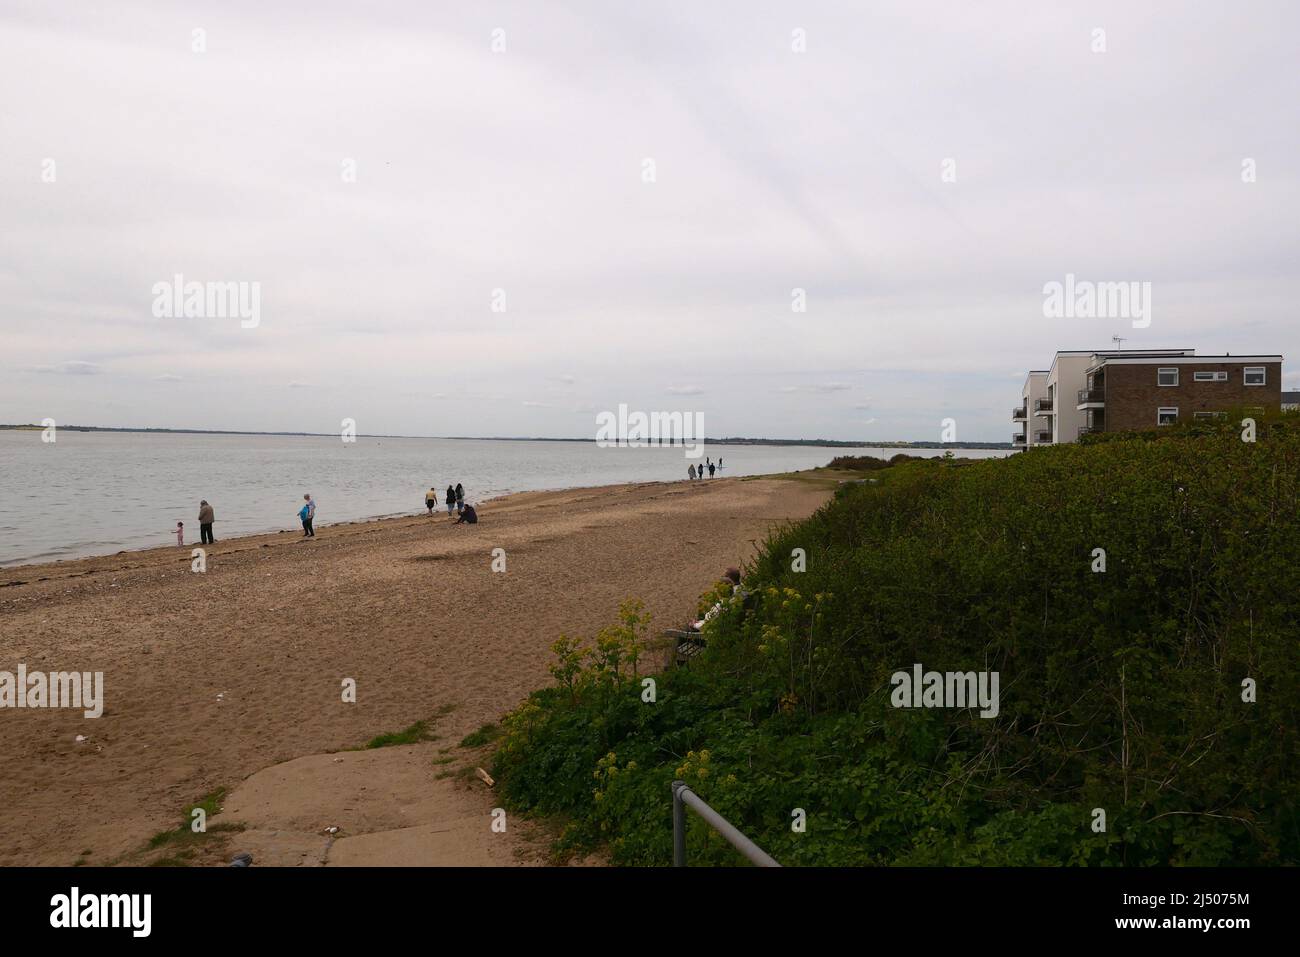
<point x="507" y="438"/>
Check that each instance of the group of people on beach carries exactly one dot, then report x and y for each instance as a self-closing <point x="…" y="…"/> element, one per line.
<point x="695" y="473"/>
<point x="306" y="514"/>
<point x="456" y="504"/>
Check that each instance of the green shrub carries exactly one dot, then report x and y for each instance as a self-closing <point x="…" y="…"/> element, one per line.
<point x="1120" y="690"/>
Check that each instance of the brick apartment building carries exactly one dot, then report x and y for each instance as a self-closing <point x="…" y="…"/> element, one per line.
<point x="1117" y="391"/>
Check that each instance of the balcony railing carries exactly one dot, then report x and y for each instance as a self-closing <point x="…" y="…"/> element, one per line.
<point x="1017" y="438"/>
<point x="1017" y="414"/>
<point x="1044" y="438"/>
<point x="1086" y="430"/>
<point x="1042" y="405"/>
<point x="1091" y="395"/>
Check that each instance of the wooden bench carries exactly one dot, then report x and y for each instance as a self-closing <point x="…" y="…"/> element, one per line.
<point x="686" y="644"/>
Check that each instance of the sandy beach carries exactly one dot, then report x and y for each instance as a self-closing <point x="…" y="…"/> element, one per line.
<point x="232" y="678"/>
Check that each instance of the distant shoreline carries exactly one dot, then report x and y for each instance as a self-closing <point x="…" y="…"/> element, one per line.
<point x="728" y="440"/>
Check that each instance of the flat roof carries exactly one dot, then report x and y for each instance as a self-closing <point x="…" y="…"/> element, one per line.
<point x="1109" y="352"/>
<point x="1184" y="360"/>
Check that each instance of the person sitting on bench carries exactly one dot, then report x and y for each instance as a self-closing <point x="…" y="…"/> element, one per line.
<point x="732" y="575"/>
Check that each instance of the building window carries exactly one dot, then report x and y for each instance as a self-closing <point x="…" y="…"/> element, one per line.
<point x="1166" y="416"/>
<point x="1210" y="376"/>
<point x="1167" y="376"/>
<point x="1254" y="375"/>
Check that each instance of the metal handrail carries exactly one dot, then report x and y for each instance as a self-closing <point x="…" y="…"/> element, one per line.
<point x="684" y="797"/>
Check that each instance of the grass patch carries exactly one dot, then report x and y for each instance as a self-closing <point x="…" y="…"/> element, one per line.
<point x="484" y="735"/>
<point x="416" y="733"/>
<point x="211" y="807"/>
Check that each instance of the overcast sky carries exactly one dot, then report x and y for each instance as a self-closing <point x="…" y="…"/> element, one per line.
<point x="524" y="170"/>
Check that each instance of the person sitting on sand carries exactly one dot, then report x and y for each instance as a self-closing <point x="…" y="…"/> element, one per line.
<point x="431" y="499"/>
<point x="468" y="517"/>
<point x="451" y="501"/>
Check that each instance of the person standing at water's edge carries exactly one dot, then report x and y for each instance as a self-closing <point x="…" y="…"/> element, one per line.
<point x="206" y="518"/>
<point x="711" y="468"/>
<point x="691" y="472"/>
<point x="460" y="497"/>
<point x="431" y="499"/>
<point x="308" y="514"/>
<point x="451" y="501"/>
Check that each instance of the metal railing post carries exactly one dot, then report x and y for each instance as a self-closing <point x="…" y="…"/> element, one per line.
<point x="683" y="797"/>
<point x="679" y="825"/>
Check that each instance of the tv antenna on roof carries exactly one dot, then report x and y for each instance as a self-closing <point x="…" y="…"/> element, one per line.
<point x="1119" y="343"/>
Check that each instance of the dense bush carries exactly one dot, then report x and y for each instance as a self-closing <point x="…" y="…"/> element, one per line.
<point x="1120" y="690"/>
<point x="866" y="463"/>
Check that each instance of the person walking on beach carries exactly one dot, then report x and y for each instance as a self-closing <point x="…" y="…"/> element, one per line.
<point x="308" y="515"/>
<point x="431" y="499"/>
<point x="691" y="472"/>
<point x="711" y="470"/>
<point x="451" y="501"/>
<point x="460" y="498"/>
<point x="206" y="519"/>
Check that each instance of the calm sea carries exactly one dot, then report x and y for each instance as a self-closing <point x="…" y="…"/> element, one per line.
<point x="94" y="493"/>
